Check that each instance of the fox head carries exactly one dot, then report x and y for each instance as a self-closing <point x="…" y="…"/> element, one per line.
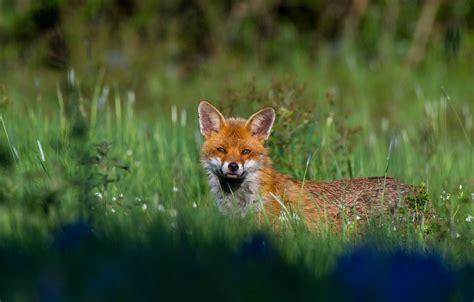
<point x="234" y="148"/>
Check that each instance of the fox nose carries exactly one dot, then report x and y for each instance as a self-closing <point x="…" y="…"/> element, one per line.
<point x="233" y="167"/>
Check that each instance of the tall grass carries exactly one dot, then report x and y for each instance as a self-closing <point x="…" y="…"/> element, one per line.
<point x="134" y="174"/>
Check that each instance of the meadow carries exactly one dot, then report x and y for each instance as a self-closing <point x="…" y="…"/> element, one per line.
<point x="103" y="197"/>
<point x="93" y="182"/>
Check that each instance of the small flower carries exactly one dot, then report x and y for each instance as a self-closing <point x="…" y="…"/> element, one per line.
<point x="112" y="210"/>
<point x="115" y="198"/>
<point x="295" y="216"/>
<point x="144" y="207"/>
<point x="469" y="218"/>
<point x="195" y="205"/>
<point x="283" y="216"/>
<point x="460" y="187"/>
<point x="472" y="197"/>
<point x="358" y="217"/>
<point x="394" y="228"/>
<point x="458" y="235"/>
<point x="129" y="152"/>
<point x="175" y="189"/>
<point x="99" y="195"/>
<point x="445" y="195"/>
<point x="161" y="208"/>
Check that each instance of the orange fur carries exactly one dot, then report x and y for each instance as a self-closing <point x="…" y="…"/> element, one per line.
<point x="314" y="201"/>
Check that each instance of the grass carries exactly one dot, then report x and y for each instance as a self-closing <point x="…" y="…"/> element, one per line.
<point x="112" y="174"/>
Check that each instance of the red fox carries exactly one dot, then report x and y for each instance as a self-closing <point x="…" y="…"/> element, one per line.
<point x="243" y="180"/>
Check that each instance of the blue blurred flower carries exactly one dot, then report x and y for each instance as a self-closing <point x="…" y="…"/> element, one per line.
<point x="72" y="235"/>
<point x="367" y="274"/>
<point x="255" y="248"/>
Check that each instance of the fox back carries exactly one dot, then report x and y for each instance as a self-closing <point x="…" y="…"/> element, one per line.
<point x="243" y="180"/>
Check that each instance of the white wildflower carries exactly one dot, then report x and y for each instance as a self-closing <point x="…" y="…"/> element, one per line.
<point x="114" y="198"/>
<point x="144" y="207"/>
<point x="129" y="152"/>
<point x="283" y="216"/>
<point x="295" y="216"/>
<point x="394" y="228"/>
<point x="112" y="210"/>
<point x="445" y="195"/>
<point x="195" y="205"/>
<point x="175" y="189"/>
<point x="469" y="218"/>
<point x="458" y="235"/>
<point x="358" y="217"/>
<point x="161" y="208"/>
<point x="99" y="195"/>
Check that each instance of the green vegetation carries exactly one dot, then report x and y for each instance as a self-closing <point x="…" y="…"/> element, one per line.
<point x="112" y="151"/>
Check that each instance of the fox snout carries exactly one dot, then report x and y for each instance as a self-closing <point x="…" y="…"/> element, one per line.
<point x="230" y="169"/>
<point x="233" y="167"/>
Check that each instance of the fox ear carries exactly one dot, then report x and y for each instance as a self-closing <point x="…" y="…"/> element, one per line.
<point x="210" y="119"/>
<point x="261" y="123"/>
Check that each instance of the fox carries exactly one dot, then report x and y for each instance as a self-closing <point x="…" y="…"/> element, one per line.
<point x="243" y="180"/>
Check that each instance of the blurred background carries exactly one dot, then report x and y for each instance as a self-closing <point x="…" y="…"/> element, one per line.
<point x="143" y="44"/>
<point x="102" y="196"/>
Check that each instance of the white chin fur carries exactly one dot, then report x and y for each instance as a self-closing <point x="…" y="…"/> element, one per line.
<point x="241" y="201"/>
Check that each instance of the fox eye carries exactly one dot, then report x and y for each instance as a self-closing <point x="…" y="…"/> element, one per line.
<point x="220" y="149"/>
<point x="245" y="151"/>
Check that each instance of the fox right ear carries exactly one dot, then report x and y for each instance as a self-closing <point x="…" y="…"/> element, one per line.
<point x="210" y="119"/>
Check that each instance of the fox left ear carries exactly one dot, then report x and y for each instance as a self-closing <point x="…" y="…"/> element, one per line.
<point x="261" y="123"/>
<point x="210" y="119"/>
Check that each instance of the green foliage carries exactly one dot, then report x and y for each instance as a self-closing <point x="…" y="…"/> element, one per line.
<point x="186" y="33"/>
<point x="419" y="200"/>
<point x="114" y="144"/>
